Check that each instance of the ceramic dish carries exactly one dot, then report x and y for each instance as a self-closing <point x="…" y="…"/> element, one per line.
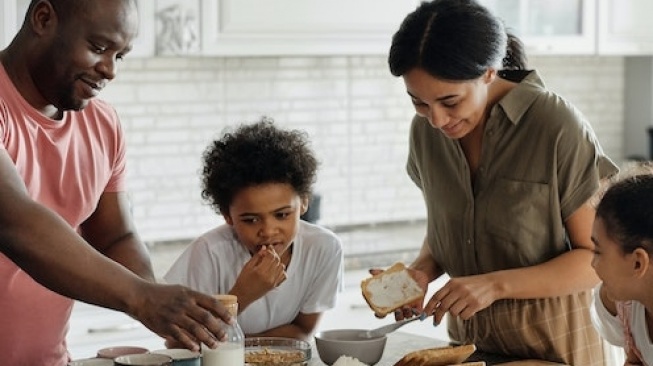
<point x="113" y="352"/>
<point x="276" y="351"/>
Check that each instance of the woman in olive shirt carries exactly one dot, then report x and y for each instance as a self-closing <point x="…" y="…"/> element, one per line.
<point x="506" y="168"/>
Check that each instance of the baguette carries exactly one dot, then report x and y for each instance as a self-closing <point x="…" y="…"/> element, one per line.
<point x="441" y="356"/>
<point x="391" y="289"/>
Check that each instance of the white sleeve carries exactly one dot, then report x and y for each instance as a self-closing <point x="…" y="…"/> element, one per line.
<point x="609" y="326"/>
<point x="194" y="268"/>
<point x="328" y="280"/>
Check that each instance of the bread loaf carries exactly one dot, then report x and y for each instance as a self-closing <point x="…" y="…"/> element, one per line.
<point x="441" y="356"/>
<point x="391" y="289"/>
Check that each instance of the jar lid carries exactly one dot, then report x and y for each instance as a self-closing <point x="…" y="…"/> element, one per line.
<point x="226" y="298"/>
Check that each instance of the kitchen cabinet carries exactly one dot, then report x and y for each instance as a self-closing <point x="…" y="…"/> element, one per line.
<point x="550" y="27"/>
<point x="300" y="27"/>
<point x="625" y="27"/>
<point x="144" y="45"/>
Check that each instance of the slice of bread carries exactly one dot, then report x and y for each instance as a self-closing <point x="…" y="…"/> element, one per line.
<point x="441" y="356"/>
<point x="391" y="289"/>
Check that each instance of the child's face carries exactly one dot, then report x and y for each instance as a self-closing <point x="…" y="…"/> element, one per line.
<point x="266" y="214"/>
<point x="613" y="267"/>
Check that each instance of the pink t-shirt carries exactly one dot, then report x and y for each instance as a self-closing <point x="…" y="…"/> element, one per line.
<point x="66" y="165"/>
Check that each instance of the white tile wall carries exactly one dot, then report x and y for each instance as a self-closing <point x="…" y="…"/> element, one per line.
<point x="356" y="113"/>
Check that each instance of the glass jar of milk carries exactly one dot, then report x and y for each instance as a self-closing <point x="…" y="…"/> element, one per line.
<point x="232" y="351"/>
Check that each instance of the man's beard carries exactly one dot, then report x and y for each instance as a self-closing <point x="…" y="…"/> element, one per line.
<point x="67" y="100"/>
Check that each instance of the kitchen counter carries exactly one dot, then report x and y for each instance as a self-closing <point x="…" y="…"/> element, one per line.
<point x="400" y="343"/>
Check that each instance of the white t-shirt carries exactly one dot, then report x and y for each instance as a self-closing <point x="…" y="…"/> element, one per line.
<point x="213" y="261"/>
<point x="611" y="328"/>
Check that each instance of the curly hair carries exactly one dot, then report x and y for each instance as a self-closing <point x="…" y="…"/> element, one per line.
<point x="256" y="154"/>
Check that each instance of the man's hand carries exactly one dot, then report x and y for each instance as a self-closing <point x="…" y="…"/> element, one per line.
<point x="180" y="315"/>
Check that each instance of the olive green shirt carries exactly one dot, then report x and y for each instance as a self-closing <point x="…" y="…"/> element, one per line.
<point x="540" y="161"/>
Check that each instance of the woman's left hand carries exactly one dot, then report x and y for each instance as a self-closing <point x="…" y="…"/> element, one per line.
<point x="463" y="297"/>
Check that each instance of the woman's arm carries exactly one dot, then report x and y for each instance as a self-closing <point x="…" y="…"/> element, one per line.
<point x="426" y="264"/>
<point x="568" y="273"/>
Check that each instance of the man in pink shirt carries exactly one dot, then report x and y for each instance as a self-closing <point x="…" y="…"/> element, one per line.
<point x="65" y="228"/>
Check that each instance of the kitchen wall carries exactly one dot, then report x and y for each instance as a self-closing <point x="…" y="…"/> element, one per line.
<point x="356" y="113"/>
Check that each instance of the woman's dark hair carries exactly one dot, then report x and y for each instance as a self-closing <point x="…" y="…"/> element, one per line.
<point x="453" y="40"/>
<point x="256" y="154"/>
<point x="626" y="209"/>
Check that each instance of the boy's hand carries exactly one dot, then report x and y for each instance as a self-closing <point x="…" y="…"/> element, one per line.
<point x="261" y="274"/>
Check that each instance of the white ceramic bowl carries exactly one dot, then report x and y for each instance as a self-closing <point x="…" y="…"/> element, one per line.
<point x="331" y="344"/>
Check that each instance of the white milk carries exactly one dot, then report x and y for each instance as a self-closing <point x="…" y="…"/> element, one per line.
<point x="225" y="355"/>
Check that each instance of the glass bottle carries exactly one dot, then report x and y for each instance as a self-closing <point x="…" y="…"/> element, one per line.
<point x="232" y="351"/>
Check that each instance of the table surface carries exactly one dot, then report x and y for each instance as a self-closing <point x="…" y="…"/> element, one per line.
<point x="400" y="343"/>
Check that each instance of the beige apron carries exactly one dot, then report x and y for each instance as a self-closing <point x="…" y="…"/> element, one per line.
<point x="555" y="329"/>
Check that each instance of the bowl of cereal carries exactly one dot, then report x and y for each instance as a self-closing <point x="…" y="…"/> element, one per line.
<point x="276" y="351"/>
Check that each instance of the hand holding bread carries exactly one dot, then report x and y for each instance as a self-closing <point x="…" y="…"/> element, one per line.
<point x="391" y="289"/>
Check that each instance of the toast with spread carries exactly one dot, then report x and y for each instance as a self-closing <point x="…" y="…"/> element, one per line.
<point x="391" y="289"/>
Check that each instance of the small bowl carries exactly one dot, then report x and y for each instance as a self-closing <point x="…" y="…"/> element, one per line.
<point x="91" y="362"/>
<point x="331" y="344"/>
<point x="143" y="359"/>
<point x="181" y="356"/>
<point x="113" y="352"/>
<point x="259" y="351"/>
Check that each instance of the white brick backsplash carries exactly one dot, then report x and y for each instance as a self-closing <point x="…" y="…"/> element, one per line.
<point x="356" y="112"/>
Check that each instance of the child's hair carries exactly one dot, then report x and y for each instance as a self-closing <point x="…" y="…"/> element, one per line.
<point x="626" y="208"/>
<point x="256" y="154"/>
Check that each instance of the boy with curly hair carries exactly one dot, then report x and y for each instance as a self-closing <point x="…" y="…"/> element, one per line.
<point x="286" y="272"/>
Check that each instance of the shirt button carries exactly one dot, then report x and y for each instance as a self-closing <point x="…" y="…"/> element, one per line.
<point x="469" y="241"/>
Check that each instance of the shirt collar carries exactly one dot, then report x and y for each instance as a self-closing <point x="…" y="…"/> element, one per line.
<point x="521" y="97"/>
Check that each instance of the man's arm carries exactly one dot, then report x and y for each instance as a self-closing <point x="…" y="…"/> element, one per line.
<point x="49" y="250"/>
<point x="111" y="231"/>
